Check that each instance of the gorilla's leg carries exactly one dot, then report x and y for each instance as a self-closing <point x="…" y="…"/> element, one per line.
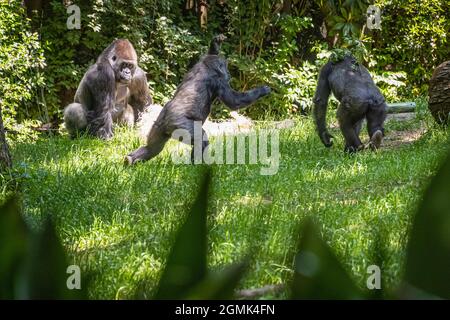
<point x="195" y="143"/>
<point x="75" y="118"/>
<point x="375" y="119"/>
<point x="127" y="117"/>
<point x="350" y="126"/>
<point x="155" y="143"/>
<point x="100" y="124"/>
<point x="198" y="138"/>
<point x="358" y="127"/>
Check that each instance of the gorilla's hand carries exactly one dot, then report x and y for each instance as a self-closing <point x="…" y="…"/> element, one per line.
<point x="220" y="38"/>
<point x="105" y="134"/>
<point x="375" y="140"/>
<point x="216" y="43"/>
<point x="265" y="90"/>
<point x="326" y="139"/>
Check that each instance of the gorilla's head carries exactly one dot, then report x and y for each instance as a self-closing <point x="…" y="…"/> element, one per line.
<point x="123" y="59"/>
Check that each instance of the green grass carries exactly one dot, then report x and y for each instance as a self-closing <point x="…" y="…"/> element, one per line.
<point x="119" y="222"/>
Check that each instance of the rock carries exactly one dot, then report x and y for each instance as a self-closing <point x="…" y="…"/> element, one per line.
<point x="239" y="123"/>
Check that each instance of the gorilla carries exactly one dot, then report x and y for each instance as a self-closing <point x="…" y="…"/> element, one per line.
<point x="114" y="89"/>
<point x="359" y="98"/>
<point x="206" y="81"/>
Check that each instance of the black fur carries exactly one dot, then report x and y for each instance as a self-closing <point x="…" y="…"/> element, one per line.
<point x="214" y="47"/>
<point x="114" y="89"/>
<point x="359" y="98"/>
<point x="205" y="82"/>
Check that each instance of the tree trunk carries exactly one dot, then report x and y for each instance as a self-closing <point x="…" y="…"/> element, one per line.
<point x="287" y="4"/>
<point x="439" y="93"/>
<point x="203" y="13"/>
<point x="5" y="157"/>
<point x="32" y="5"/>
<point x="189" y="4"/>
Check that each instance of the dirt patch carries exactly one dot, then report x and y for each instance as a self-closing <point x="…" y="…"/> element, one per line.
<point x="397" y="138"/>
<point x="400" y="116"/>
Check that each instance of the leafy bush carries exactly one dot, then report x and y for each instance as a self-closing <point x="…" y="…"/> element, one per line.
<point x="390" y="84"/>
<point x="165" y="49"/>
<point x="168" y="55"/>
<point x="344" y="18"/>
<point x="268" y="41"/>
<point x="21" y="60"/>
<point x="414" y="38"/>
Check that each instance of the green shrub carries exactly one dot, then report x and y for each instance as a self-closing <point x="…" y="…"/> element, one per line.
<point x="21" y="62"/>
<point x="267" y="43"/>
<point x="414" y="38"/>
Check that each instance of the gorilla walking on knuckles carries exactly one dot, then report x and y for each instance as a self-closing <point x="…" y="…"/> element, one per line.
<point x="359" y="98"/>
<point x="206" y="81"/>
<point x="114" y="89"/>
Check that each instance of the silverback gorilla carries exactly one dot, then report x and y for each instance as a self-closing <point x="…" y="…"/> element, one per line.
<point x="114" y="89"/>
<point x="359" y="98"/>
<point x="206" y="81"/>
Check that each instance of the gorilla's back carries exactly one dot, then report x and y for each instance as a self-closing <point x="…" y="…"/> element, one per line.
<point x="352" y="80"/>
<point x="193" y="97"/>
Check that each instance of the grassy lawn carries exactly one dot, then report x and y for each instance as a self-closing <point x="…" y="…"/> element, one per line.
<point x="119" y="222"/>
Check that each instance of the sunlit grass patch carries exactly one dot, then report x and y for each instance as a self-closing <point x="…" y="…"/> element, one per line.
<point x="119" y="222"/>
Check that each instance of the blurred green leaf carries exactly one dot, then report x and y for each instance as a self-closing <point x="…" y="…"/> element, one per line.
<point x="45" y="276"/>
<point x="379" y="251"/>
<point x="32" y="265"/>
<point x="317" y="273"/>
<point x="428" y="253"/>
<point x="219" y="285"/>
<point x="344" y="12"/>
<point x="186" y="265"/>
<point x="13" y="242"/>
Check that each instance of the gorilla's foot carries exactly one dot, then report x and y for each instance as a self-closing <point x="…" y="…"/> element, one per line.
<point x="353" y="149"/>
<point x="375" y="141"/>
<point x="128" y="161"/>
<point x="326" y="138"/>
<point x="104" y="134"/>
<point x="141" y="154"/>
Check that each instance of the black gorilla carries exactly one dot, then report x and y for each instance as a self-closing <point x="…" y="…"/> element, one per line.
<point x="114" y="89"/>
<point x="359" y="98"/>
<point x="205" y="82"/>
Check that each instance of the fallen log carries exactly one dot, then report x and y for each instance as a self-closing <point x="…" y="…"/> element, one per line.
<point x="401" y="107"/>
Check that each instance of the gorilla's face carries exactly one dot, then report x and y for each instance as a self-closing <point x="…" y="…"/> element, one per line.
<point x="124" y="70"/>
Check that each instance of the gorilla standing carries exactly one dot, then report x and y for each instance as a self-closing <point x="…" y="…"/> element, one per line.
<point x="359" y="98"/>
<point x="205" y="82"/>
<point x="114" y="89"/>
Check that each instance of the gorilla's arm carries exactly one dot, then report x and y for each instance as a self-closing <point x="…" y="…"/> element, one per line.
<point x="216" y="43"/>
<point x="321" y="104"/>
<point x="236" y="100"/>
<point x="101" y="85"/>
<point x="139" y="93"/>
